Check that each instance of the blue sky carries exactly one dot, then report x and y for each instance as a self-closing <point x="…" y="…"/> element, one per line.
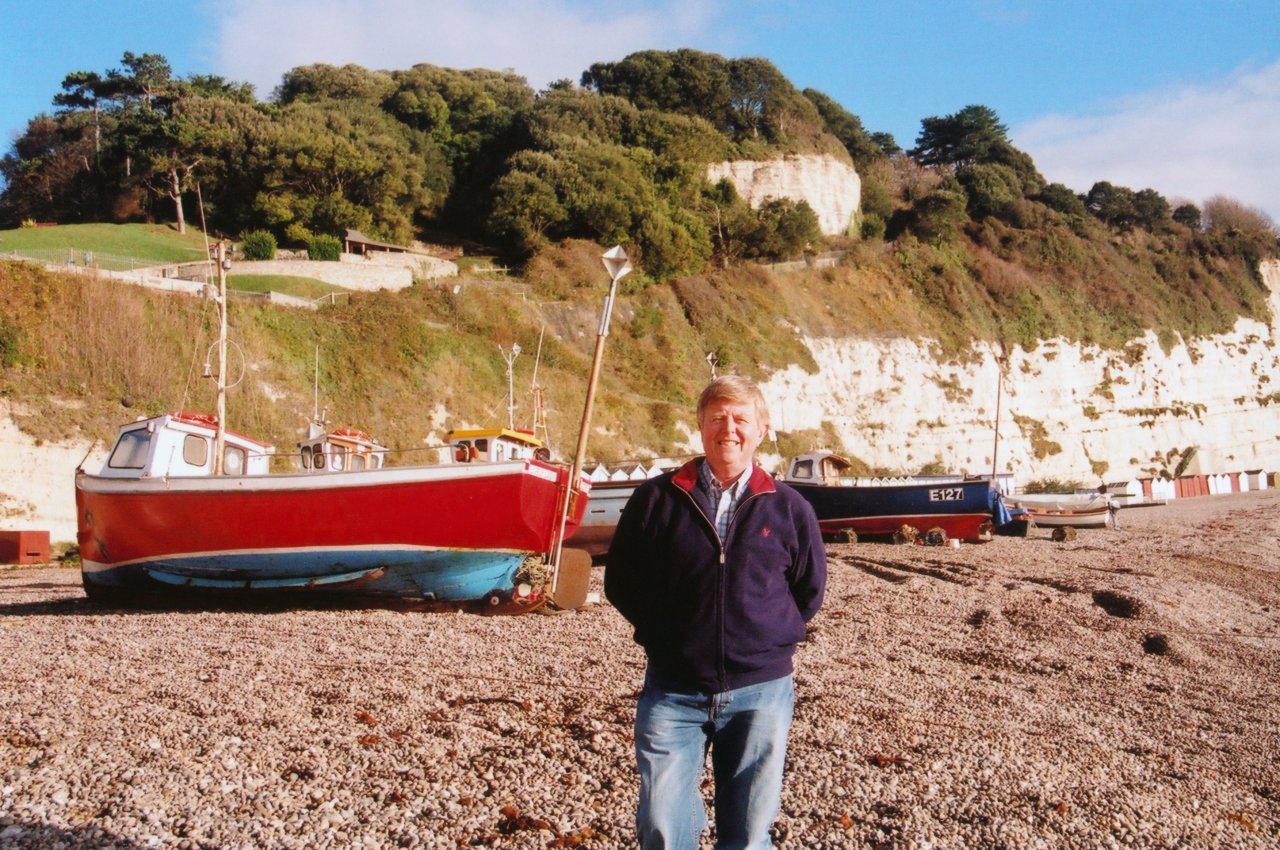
<point x="1179" y="96"/>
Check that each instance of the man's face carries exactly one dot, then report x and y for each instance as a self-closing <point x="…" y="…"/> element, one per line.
<point x="731" y="432"/>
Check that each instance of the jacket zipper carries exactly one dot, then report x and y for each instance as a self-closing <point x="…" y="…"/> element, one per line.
<point x="720" y="588"/>
<point x="721" y="582"/>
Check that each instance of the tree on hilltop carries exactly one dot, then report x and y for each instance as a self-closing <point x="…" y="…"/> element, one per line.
<point x="747" y="99"/>
<point x="971" y="136"/>
<point x="1223" y="213"/>
<point x="144" y="136"/>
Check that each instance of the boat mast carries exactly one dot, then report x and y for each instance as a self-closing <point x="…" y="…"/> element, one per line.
<point x="995" y="450"/>
<point x="510" y="358"/>
<point x="220" y="434"/>
<point x="317" y="418"/>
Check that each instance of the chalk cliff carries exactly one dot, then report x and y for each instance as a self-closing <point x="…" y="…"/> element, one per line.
<point x="832" y="188"/>
<point x="1067" y="411"/>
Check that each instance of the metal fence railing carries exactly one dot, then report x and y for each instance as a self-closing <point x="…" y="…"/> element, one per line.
<point x="83" y="259"/>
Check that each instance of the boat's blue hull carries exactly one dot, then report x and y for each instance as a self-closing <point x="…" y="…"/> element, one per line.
<point x="962" y="509"/>
<point x="388" y="575"/>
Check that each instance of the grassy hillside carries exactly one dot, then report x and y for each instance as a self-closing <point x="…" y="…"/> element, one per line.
<point x="302" y="287"/>
<point x="116" y="247"/>
<point x="81" y="355"/>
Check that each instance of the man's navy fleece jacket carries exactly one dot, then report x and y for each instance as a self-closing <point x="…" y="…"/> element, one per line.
<point x="713" y="618"/>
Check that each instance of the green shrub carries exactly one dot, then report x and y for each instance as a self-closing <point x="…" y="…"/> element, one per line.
<point x="258" y="245"/>
<point x="873" y="227"/>
<point x="1052" y="485"/>
<point x="296" y="233"/>
<point x="10" y="343"/>
<point x="1058" y="197"/>
<point x="939" y="214"/>
<point x="991" y="188"/>
<point x="324" y="247"/>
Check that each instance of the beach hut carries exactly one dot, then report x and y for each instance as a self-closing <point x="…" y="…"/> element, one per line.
<point x="1157" y="489"/>
<point x="1126" y="492"/>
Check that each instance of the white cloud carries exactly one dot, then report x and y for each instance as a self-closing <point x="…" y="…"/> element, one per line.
<point x="258" y="40"/>
<point x="1189" y="143"/>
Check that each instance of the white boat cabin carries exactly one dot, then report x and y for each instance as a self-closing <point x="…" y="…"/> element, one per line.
<point x="817" y="468"/>
<point x="340" y="450"/>
<point x="494" y="445"/>
<point x="182" y="444"/>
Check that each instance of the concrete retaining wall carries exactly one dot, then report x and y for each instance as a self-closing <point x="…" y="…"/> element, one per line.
<point x="359" y="276"/>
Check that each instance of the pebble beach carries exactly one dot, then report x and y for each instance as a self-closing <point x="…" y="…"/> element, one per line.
<point x="1118" y="689"/>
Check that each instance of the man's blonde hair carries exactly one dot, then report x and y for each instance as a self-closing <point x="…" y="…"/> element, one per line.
<point x="737" y="389"/>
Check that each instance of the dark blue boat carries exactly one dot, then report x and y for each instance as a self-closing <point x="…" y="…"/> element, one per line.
<point x="964" y="508"/>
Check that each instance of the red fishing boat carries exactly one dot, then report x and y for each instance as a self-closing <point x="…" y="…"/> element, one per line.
<point x="187" y="509"/>
<point x="157" y="518"/>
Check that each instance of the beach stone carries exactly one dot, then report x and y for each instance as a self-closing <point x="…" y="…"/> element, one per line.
<point x="993" y="699"/>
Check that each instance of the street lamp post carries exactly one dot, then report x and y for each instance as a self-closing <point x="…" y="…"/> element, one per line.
<point x="575" y="586"/>
<point x="616" y="263"/>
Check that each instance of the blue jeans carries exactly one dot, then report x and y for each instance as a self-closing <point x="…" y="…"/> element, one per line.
<point x="745" y="731"/>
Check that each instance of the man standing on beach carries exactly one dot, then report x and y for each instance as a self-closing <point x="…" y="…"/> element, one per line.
<point x="718" y="567"/>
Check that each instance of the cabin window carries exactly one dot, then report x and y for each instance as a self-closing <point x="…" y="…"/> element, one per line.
<point x="317" y="458"/>
<point x="357" y="462"/>
<point x="131" y="450"/>
<point x="338" y="461"/>
<point x="233" y="460"/>
<point x="306" y="457"/>
<point x="802" y="469"/>
<point x="195" y="450"/>
<point x="482" y="446"/>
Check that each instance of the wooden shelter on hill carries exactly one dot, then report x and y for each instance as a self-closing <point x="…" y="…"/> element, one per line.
<point x="355" y="242"/>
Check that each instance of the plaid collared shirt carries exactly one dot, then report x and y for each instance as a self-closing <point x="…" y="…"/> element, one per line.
<point x="725" y="499"/>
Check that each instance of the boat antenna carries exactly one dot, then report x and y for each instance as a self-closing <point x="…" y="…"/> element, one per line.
<point x="535" y="390"/>
<point x="315" y="390"/>
<point x="509" y="356"/>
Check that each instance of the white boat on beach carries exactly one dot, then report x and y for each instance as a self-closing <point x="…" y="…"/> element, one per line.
<point x="1077" y="510"/>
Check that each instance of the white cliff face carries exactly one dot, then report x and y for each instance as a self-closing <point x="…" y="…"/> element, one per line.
<point x="37" y="479"/>
<point x="1066" y="411"/>
<point x="831" y="188"/>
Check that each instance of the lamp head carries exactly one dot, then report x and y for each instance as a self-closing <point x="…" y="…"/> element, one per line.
<point x="616" y="263"/>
